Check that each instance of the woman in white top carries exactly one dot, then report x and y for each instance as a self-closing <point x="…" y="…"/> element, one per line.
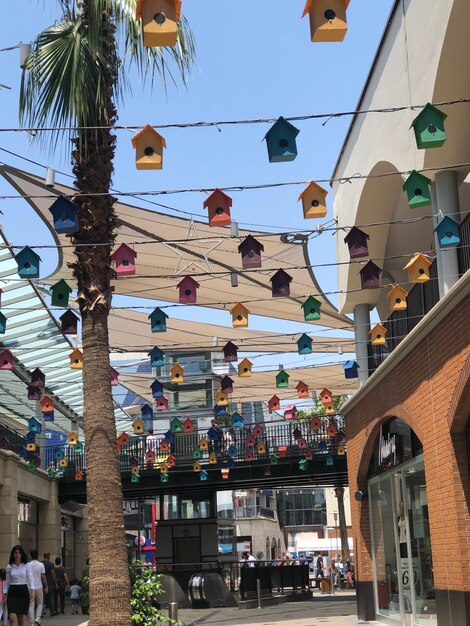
<point x="19" y="586"/>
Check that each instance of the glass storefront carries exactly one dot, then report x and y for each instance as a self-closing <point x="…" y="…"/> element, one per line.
<point x="403" y="574"/>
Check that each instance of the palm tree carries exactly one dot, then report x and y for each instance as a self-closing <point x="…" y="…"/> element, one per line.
<point x="75" y="74"/>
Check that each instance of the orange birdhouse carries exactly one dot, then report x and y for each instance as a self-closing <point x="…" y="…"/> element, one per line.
<point x="397" y="298"/>
<point x="79" y="475"/>
<point x="274" y="404"/>
<point x="302" y="390"/>
<point x="327" y="19"/>
<point x="159" y="21"/>
<point x="418" y="268"/>
<point x="76" y="359"/>
<point x="177" y="373"/>
<point x="188" y="425"/>
<point x="239" y="315"/>
<point x="72" y="439"/>
<point x="148" y="145"/>
<point x="326" y="396"/>
<point x="341" y="451"/>
<point x="377" y="335"/>
<point x="244" y="368"/>
<point x="138" y="426"/>
<point x="47" y="404"/>
<point x="63" y="463"/>
<point x="150" y="456"/>
<point x="164" y="445"/>
<point x="314" y="201"/>
<point x="221" y="398"/>
<point x="218" y="205"/>
<point x="315" y="422"/>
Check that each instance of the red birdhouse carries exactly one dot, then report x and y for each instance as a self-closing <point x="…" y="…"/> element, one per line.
<point x="188" y="425"/>
<point x="250" y="249"/>
<point x="250" y="441"/>
<point x="274" y="404"/>
<point x="7" y="360"/>
<point x="280" y="284"/>
<point x="79" y="475"/>
<point x="150" y="456"/>
<point x="161" y="403"/>
<point x="114" y="377"/>
<point x="188" y="290"/>
<point x="164" y="445"/>
<point x="69" y="323"/>
<point x="171" y="461"/>
<point x="47" y="404"/>
<point x="332" y="429"/>
<point x="315" y="422"/>
<point x="123" y="439"/>
<point x="124" y="260"/>
<point x="356" y="240"/>
<point x="218" y="204"/>
<point x="258" y="431"/>
<point x="326" y="396"/>
<point x="230" y="351"/>
<point x="308" y="454"/>
<point x="370" y="276"/>
<point x="302" y="390"/>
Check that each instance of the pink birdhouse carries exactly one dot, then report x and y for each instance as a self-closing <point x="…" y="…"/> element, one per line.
<point x="188" y="425"/>
<point x="280" y="284"/>
<point x="290" y="412"/>
<point x="302" y="443"/>
<point x="114" y="377"/>
<point x="123" y="439"/>
<point x="7" y="360"/>
<point x="124" y="260"/>
<point x="308" y="455"/>
<point x="258" y="430"/>
<point x="161" y="403"/>
<point x="250" y="249"/>
<point x="249" y="456"/>
<point x="218" y="204"/>
<point x="38" y="379"/>
<point x="250" y="441"/>
<point x="188" y="290"/>
<point x="171" y="461"/>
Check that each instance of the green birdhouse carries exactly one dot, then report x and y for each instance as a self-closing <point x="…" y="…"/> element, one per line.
<point x="417" y="189"/>
<point x="197" y="454"/>
<point x="282" y="379"/>
<point x="60" y="293"/>
<point x="164" y="478"/>
<point x="78" y="447"/>
<point x="176" y="426"/>
<point x="135" y="478"/>
<point x="311" y="308"/>
<point x="32" y="466"/>
<point x="274" y="459"/>
<point x="303" y="465"/>
<point x="51" y="472"/>
<point x="429" y="128"/>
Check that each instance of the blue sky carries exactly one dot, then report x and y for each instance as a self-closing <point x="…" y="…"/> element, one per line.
<point x="254" y="60"/>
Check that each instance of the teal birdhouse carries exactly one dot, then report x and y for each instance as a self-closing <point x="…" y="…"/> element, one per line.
<point x="3" y="323"/>
<point x="34" y="426"/>
<point x="203" y="475"/>
<point x="176" y="425"/>
<point x="59" y="454"/>
<point x="158" y="321"/>
<point x="429" y="128"/>
<point x="164" y="477"/>
<point x="237" y="420"/>
<point x="417" y="189"/>
<point x="281" y="141"/>
<point x="157" y="357"/>
<point x="60" y="294"/>
<point x="197" y="454"/>
<point x="311" y="308"/>
<point x="329" y="461"/>
<point x="51" y="472"/>
<point x="303" y="465"/>
<point x="282" y="379"/>
<point x="64" y="216"/>
<point x="232" y="450"/>
<point x="448" y="233"/>
<point x="304" y="344"/>
<point x="28" y="263"/>
<point x="350" y="369"/>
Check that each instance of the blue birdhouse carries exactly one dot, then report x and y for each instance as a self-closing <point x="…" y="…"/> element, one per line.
<point x="280" y="140"/>
<point x="3" y="323"/>
<point x="48" y="416"/>
<point x="304" y="344"/>
<point x="230" y="464"/>
<point x="59" y="454"/>
<point x="350" y="369"/>
<point x="28" y="263"/>
<point x="64" y="214"/>
<point x="203" y="475"/>
<point x="232" y="450"/>
<point x="322" y="447"/>
<point x="220" y="410"/>
<point x="158" y="321"/>
<point x="34" y="426"/>
<point x="329" y="461"/>
<point x="30" y="437"/>
<point x="448" y="232"/>
<point x="146" y="412"/>
<point x="237" y="420"/>
<point x="157" y="357"/>
<point x="157" y="389"/>
<point x="23" y="453"/>
<point x="169" y="437"/>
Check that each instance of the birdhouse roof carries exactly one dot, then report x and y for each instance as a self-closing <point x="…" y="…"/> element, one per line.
<point x="140" y="4"/>
<point x="313" y="185"/>
<point x="301" y="384"/>
<point x="447" y="222"/>
<point x="309" y="301"/>
<point x="304" y="337"/>
<point x="177" y="368"/>
<point x="124" y="248"/>
<point x="154" y="351"/>
<point x="378" y="327"/>
<point x="76" y="354"/>
<point x="230" y="346"/>
<point x="239" y="308"/>
<point x="281" y="121"/>
<point x="397" y="290"/>
<point x="26" y="251"/>
<point x="274" y="398"/>
<point x="69" y="316"/>
<point x="46" y="400"/>
<point x="356" y="234"/>
<point x="157" y="313"/>
<point x="61" y="285"/>
<point x="281" y="275"/>
<point x="418" y="259"/>
<point x="290" y="409"/>
<point x="426" y="108"/>
<point x="250" y="243"/>
<point x="348" y="365"/>
<point x="188" y="279"/>
<point x="216" y="196"/>
<point x="325" y="392"/>
<point x="245" y="361"/>
<point x="6" y="354"/>
<point x="226" y="379"/>
<point x="147" y="130"/>
<point x="416" y="176"/>
<point x="309" y="5"/>
<point x="371" y="268"/>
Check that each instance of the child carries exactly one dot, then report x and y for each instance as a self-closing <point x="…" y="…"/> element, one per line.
<point x="3" y="607"/>
<point x="75" y="596"/>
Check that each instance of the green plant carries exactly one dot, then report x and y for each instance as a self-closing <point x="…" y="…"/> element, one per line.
<point x="146" y="588"/>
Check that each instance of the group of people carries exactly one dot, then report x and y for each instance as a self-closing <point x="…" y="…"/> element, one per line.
<point x="29" y="586"/>
<point x="334" y="567"/>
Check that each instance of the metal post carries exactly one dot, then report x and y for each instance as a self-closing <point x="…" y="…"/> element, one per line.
<point x="447" y="194"/>
<point x="258" y="592"/>
<point x="173" y="611"/>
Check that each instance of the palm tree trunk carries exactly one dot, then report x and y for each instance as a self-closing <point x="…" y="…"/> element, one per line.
<point x="343" y="529"/>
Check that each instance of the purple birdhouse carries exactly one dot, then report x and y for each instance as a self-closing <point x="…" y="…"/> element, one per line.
<point x="230" y="352"/>
<point x="226" y="384"/>
<point x="280" y="284"/>
<point x="34" y="393"/>
<point x="124" y="260"/>
<point x="69" y="323"/>
<point x="162" y="403"/>
<point x="370" y="276"/>
<point x="357" y="243"/>
<point x="250" y="249"/>
<point x="188" y="290"/>
<point x="7" y="360"/>
<point x="114" y="376"/>
<point x="38" y="379"/>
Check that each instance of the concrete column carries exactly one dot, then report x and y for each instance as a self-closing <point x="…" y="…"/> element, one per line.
<point x="362" y="338"/>
<point x="447" y="194"/>
<point x="436" y="219"/>
<point x="49" y="539"/>
<point x="8" y="504"/>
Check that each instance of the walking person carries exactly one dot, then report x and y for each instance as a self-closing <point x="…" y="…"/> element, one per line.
<point x="51" y="584"/>
<point x="18" y="587"/>
<point x="62" y="582"/>
<point x="38" y="576"/>
<point x="349" y="571"/>
<point x="75" y="596"/>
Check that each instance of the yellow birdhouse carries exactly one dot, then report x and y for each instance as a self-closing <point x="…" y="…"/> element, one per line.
<point x="63" y="463"/>
<point x="397" y="298"/>
<point x="148" y="145"/>
<point x="135" y="469"/>
<point x="239" y="315"/>
<point x="418" y="268"/>
<point x="221" y="398"/>
<point x="177" y="373"/>
<point x="244" y="368"/>
<point x="159" y="21"/>
<point x="341" y="451"/>
<point x="164" y="468"/>
<point x="329" y="408"/>
<point x="377" y="335"/>
<point x="31" y="447"/>
<point x="72" y="439"/>
<point x="327" y="19"/>
<point x="260" y="448"/>
<point x="197" y="466"/>
<point x="314" y="201"/>
<point x="76" y="359"/>
<point x="203" y="444"/>
<point x="138" y="426"/>
<point x="212" y="458"/>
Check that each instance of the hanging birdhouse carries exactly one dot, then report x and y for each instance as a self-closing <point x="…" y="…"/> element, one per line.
<point x="314" y="201"/>
<point x="69" y="322"/>
<point x="257" y="430"/>
<point x="326" y="396"/>
<point x="377" y="335"/>
<point x="60" y="294"/>
<point x="282" y="451"/>
<point x="225" y="472"/>
<point x="76" y="359"/>
<point x="244" y="368"/>
<point x="280" y="284"/>
<point x="370" y="276"/>
<point x="63" y="463"/>
<point x="159" y="21"/>
<point x="261" y="447"/>
<point x="47" y="404"/>
<point x="157" y="389"/>
<point x="304" y="344"/>
<point x="239" y="315"/>
<point x="232" y="450"/>
<point x="274" y="403"/>
<point x="38" y="379"/>
<point x="158" y="321"/>
<point x="3" y="323"/>
<point x="177" y="374"/>
<point x="150" y="455"/>
<point x="164" y="446"/>
<point x="308" y="454"/>
<point x="164" y="469"/>
<point x="282" y="379"/>
<point x="322" y="446"/>
<point x="302" y="390"/>
<point x="356" y="241"/>
<point x="302" y="443"/>
<point x="176" y="426"/>
<point x="230" y="352"/>
<point x="188" y="290"/>
<point x="311" y="308"/>
<point x="280" y="141"/>
<point x="78" y="447"/>
<point x="138" y="426"/>
<point x="133" y="462"/>
<point x="28" y="263"/>
<point x="226" y="384"/>
<point x="220" y="411"/>
<point x="188" y="425"/>
<point x="350" y="369"/>
<point x="417" y="189"/>
<point x="162" y="403"/>
<point x="250" y="250"/>
<point x="250" y="441"/>
<point x="79" y="475"/>
<point x="221" y="398"/>
<point x="149" y="146"/>
<point x="146" y="412"/>
<point x="48" y="416"/>
<point x="341" y="450"/>
<point x="203" y="444"/>
<point x="157" y="357"/>
<point x="7" y="360"/>
<point x="274" y="459"/>
<point x="397" y="298"/>
<point x="203" y="475"/>
<point x="418" y="269"/>
<point x="218" y="205"/>
<point x="34" y="393"/>
<point x="290" y="412"/>
<point x="34" y="426"/>
<point x="122" y="439"/>
<point x="64" y="216"/>
<point x="212" y="458"/>
<point x="429" y="128"/>
<point x="249" y="456"/>
<point x="124" y="260"/>
<point x="171" y="461"/>
<point x="72" y="439"/>
<point x="197" y="467"/>
<point x="197" y="454"/>
<point x="327" y="19"/>
<point x="448" y="233"/>
<point x="331" y="429"/>
<point x="237" y="420"/>
<point x="303" y="465"/>
<point x="329" y="408"/>
<point x="31" y="435"/>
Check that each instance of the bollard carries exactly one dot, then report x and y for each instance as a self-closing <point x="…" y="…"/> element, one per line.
<point x="173" y="611"/>
<point x="258" y="592"/>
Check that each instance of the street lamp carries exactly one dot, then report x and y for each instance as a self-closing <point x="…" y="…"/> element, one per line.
<point x="335" y="517"/>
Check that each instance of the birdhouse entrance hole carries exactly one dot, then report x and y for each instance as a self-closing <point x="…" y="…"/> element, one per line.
<point x="177" y="375"/>
<point x="5" y="362"/>
<point x="283" y="143"/>
<point x="239" y="318"/>
<point x="187" y="292"/>
<point x="149" y="151"/>
<point x="315" y="203"/>
<point x="418" y="192"/>
<point x="330" y="15"/>
<point x="219" y="211"/>
<point x="250" y="254"/>
<point x="432" y="129"/>
<point x="60" y="296"/>
<point x="76" y="361"/>
<point x="27" y="265"/>
<point x="245" y="369"/>
<point x="125" y="262"/>
<point x="398" y="300"/>
<point x="421" y="271"/>
<point x="63" y="217"/>
<point x="449" y="233"/>
<point x="379" y="336"/>
<point x="157" y="323"/>
<point x="159" y="18"/>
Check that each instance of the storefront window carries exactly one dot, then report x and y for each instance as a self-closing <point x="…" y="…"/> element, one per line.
<point x="186" y="507"/>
